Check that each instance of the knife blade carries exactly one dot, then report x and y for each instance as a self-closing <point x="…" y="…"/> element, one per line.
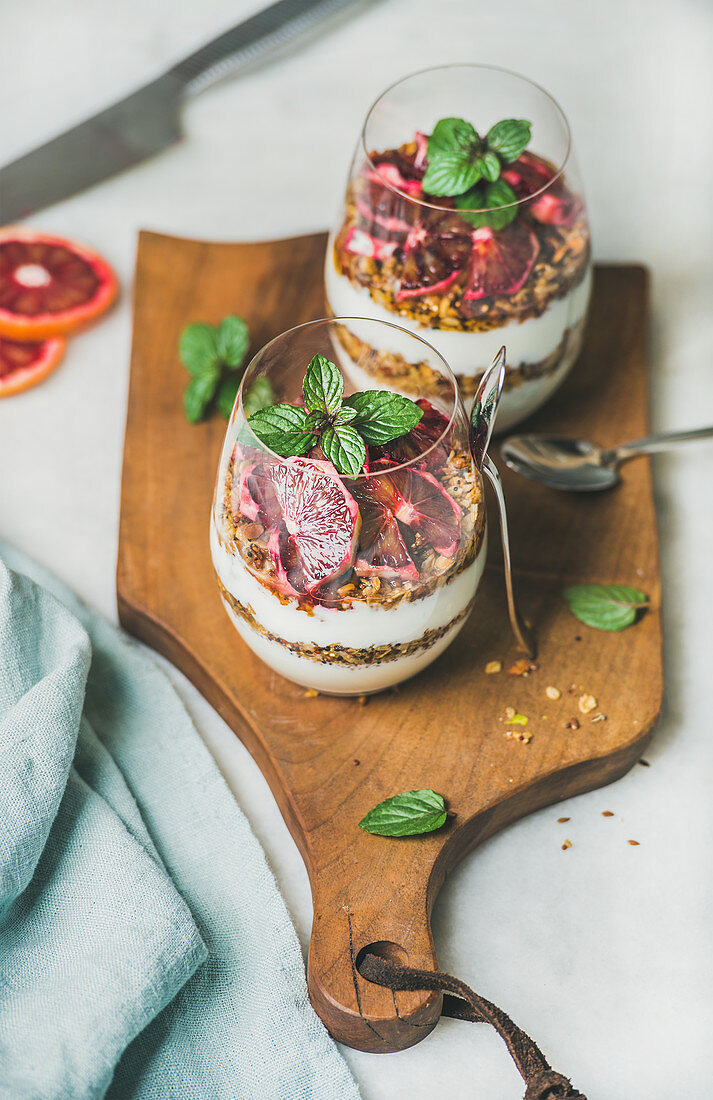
<point x="149" y="119"/>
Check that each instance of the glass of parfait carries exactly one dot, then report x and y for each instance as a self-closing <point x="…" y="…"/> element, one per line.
<point x="348" y="527"/>
<point x="464" y="221"/>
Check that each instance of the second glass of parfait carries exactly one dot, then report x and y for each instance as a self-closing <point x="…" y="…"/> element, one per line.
<point x="464" y="221"/>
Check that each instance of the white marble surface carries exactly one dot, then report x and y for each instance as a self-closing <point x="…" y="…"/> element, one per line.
<point x="603" y="952"/>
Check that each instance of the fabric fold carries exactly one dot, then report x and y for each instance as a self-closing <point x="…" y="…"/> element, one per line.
<point x="145" y="951"/>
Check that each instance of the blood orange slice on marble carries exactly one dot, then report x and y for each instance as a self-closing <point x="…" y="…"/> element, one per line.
<point x="49" y="286"/>
<point x="25" y="364"/>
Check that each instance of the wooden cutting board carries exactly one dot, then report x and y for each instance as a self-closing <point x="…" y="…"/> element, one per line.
<point x="329" y="760"/>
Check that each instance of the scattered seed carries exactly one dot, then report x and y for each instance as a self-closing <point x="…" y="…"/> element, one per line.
<point x="633" y="842"/>
<point x="363" y="700"/>
<point x="587" y="703"/>
<point x="599" y="717"/>
<point x="311" y="693"/>
<point x="567" y="844"/>
<point x="644" y="763"/>
<point x="578" y="637"/>
<point x="561" y="820"/>
<point x="573" y="724"/>
<point x="493" y="666"/>
<point x="356" y="762"/>
<point x="553" y="693"/>
<point x="607" y="813"/>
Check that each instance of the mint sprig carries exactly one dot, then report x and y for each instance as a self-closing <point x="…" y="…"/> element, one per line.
<point x="407" y="814"/>
<point x="213" y="354"/>
<point x="465" y="166"/>
<point x="343" y="428"/>
<point x="605" y="606"/>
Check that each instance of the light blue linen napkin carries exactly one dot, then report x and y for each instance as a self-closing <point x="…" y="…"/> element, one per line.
<point x="145" y="951"/>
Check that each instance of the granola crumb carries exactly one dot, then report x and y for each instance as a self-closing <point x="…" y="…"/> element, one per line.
<point x="553" y="693"/>
<point x="311" y="693"/>
<point x="522" y="667"/>
<point x="607" y="813"/>
<point x="510" y="713"/>
<point x="518" y="735"/>
<point x="567" y="844"/>
<point x="599" y="717"/>
<point x="635" y="843"/>
<point x="363" y="700"/>
<point x="573" y="724"/>
<point x="587" y="703"/>
<point x="492" y="667"/>
<point x="561" y="820"/>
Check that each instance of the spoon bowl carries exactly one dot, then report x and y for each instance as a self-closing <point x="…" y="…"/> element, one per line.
<point x="580" y="467"/>
<point x="569" y="464"/>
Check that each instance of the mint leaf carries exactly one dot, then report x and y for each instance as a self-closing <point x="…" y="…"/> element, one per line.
<point x="495" y="195"/>
<point x="450" y="174"/>
<point x="227" y="392"/>
<point x="197" y="348"/>
<point x="231" y="341"/>
<point x="199" y="393"/>
<point x="381" y="415"/>
<point x="489" y="166"/>
<point x="406" y="814"/>
<point x="605" y="606"/>
<point x="283" y="429"/>
<point x="323" y="386"/>
<point x="344" y="448"/>
<point x="258" y="395"/>
<point x="509" y="138"/>
<point x="345" y="415"/>
<point x="452" y="135"/>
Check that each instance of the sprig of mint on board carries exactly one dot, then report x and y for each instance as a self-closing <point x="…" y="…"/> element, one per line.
<point x="407" y="814"/>
<point x="605" y="606"/>
<point x="465" y="166"/>
<point x="342" y="426"/>
<point x="213" y="356"/>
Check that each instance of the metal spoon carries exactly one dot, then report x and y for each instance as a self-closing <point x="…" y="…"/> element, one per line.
<point x="576" y="464"/>
<point x="482" y="420"/>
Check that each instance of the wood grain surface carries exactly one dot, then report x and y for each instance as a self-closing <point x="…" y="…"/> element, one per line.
<point x="329" y="760"/>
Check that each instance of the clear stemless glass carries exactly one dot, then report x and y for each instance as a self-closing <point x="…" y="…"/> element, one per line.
<point x="432" y="265"/>
<point x="348" y="584"/>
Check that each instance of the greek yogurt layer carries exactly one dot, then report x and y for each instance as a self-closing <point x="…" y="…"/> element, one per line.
<point x="555" y="335"/>
<point x="349" y="650"/>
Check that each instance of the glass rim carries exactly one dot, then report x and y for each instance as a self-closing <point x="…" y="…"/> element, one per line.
<point x="330" y="321"/>
<point x="469" y="65"/>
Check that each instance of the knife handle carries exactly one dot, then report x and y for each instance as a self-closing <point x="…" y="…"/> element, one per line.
<point x="249" y="40"/>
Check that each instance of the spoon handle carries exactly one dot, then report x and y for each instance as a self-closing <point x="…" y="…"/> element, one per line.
<point x="524" y="638"/>
<point x="662" y="441"/>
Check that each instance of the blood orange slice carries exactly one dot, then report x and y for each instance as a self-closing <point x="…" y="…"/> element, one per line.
<point x="312" y="520"/>
<point x="434" y="255"/>
<point x="501" y="261"/>
<point x="420" y="502"/>
<point x="556" y="206"/>
<point x="25" y="364"/>
<point x="49" y="286"/>
<point x="382" y="549"/>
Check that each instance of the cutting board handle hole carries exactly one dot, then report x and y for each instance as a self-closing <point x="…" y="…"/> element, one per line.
<point x="383" y="949"/>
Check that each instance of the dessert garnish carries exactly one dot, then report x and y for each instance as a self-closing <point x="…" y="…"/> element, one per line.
<point x="464" y="165"/>
<point x="605" y="606"/>
<point x="341" y="427"/>
<point x="213" y="355"/>
<point x="24" y="364"/>
<point x="49" y="286"/>
<point x="406" y="814"/>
